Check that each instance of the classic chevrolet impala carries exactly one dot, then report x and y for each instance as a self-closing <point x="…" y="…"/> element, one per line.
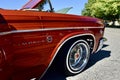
<point x="30" y="41"/>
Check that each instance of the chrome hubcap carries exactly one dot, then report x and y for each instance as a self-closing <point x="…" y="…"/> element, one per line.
<point x="78" y="56"/>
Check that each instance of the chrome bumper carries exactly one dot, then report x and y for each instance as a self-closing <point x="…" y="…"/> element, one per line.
<point x="100" y="44"/>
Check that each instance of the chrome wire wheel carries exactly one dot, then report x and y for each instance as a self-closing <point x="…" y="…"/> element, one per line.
<point x="77" y="56"/>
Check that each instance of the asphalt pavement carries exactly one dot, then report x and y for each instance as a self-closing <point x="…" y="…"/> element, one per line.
<point x="104" y="65"/>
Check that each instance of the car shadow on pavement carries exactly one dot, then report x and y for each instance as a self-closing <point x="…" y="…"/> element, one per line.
<point x="94" y="58"/>
<point x="54" y="74"/>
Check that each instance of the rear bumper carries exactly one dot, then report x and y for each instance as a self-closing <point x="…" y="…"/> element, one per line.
<point x="100" y="45"/>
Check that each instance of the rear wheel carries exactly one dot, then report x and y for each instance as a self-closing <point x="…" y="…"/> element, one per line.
<point x="76" y="57"/>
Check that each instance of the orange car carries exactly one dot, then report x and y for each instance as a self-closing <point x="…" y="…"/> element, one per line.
<point x="31" y="40"/>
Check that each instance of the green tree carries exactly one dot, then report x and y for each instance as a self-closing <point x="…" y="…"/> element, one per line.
<point x="87" y="9"/>
<point x="104" y="9"/>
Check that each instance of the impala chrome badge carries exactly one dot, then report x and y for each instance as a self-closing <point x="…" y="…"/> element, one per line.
<point x="49" y="39"/>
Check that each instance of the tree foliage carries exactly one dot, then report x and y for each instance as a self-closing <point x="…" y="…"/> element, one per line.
<point x="104" y="9"/>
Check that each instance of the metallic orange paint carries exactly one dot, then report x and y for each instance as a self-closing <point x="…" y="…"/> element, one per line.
<point x="29" y="40"/>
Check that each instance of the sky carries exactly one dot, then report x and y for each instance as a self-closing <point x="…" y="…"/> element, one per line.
<point x="77" y="5"/>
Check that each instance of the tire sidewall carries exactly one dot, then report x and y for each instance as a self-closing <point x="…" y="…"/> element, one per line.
<point x="67" y="65"/>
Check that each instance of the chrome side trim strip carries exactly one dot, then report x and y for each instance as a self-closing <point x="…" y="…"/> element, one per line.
<point x="46" y="29"/>
<point x="63" y="44"/>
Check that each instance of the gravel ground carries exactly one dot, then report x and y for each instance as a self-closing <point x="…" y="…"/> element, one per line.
<point x="104" y="65"/>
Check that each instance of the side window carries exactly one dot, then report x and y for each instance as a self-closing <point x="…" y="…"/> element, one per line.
<point x="38" y="5"/>
<point x="46" y="5"/>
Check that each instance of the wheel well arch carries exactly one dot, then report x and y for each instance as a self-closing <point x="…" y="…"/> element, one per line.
<point x="89" y="38"/>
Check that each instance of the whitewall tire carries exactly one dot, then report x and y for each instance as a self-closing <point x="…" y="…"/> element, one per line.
<point x="77" y="57"/>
